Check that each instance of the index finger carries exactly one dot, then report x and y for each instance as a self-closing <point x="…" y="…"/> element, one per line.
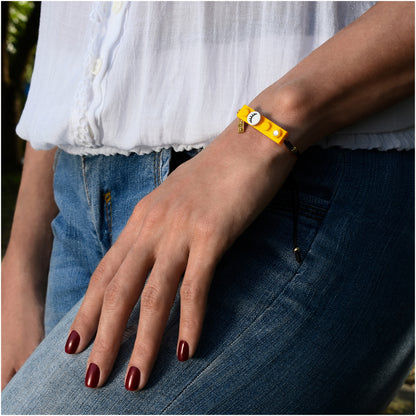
<point x="86" y="321"/>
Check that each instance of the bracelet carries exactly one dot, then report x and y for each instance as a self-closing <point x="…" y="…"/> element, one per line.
<point x="264" y="126"/>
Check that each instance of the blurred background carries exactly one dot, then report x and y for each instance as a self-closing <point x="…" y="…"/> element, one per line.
<point x="19" y="33"/>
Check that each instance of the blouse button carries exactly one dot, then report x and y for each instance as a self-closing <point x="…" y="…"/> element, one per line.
<point x="96" y="66"/>
<point x="117" y="6"/>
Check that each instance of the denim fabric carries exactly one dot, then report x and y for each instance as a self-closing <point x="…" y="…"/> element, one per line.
<point x="334" y="334"/>
<point x="95" y="196"/>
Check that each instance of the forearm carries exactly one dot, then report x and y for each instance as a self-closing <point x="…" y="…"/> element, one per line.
<point x="367" y="66"/>
<point x="26" y="261"/>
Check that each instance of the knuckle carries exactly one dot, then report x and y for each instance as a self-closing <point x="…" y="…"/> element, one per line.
<point x="153" y="217"/>
<point x="102" y="348"/>
<point x="206" y="228"/>
<point x="190" y="324"/>
<point x="190" y="292"/>
<point x="151" y="298"/>
<point x="99" y="276"/>
<point x="142" y="350"/>
<point x="114" y="295"/>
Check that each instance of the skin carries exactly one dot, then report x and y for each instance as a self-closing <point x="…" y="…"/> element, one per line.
<point x="26" y="263"/>
<point x="185" y="226"/>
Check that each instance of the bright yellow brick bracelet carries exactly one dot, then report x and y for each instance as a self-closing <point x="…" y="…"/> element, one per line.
<point x="264" y="126"/>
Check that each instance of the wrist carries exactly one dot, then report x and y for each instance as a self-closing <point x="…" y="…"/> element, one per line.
<point x="260" y="147"/>
<point x="293" y="106"/>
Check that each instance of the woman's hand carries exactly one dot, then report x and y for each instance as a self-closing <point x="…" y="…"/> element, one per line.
<point x="182" y="228"/>
<point x="185" y="226"/>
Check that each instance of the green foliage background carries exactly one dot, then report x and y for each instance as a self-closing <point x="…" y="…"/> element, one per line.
<point x="19" y="12"/>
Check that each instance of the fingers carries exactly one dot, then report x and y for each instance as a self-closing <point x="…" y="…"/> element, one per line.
<point x="193" y="294"/>
<point x="157" y="297"/>
<point x="113" y="293"/>
<point x="119" y="299"/>
<point x="85" y="324"/>
<point x="156" y="302"/>
<point x="155" y="305"/>
<point x="119" y="281"/>
<point x="122" y="293"/>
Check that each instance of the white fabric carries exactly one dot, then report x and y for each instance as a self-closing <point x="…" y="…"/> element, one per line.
<point x="115" y="77"/>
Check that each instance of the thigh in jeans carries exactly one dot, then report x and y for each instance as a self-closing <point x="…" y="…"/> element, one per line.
<point x="325" y="336"/>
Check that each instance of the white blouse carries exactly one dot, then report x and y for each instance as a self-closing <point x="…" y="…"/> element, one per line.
<point x="122" y="77"/>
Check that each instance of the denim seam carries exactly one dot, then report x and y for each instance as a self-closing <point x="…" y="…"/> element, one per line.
<point x="312" y="208"/>
<point x="296" y="273"/>
<point x="56" y="159"/>
<point x="97" y="234"/>
<point x="160" y="169"/>
<point x="304" y="211"/>
<point x="85" y="181"/>
<point x="109" y="213"/>
<point x="161" y="166"/>
<point x="156" y="168"/>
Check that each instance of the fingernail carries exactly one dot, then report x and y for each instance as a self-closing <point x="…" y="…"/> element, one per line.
<point x="132" y="379"/>
<point x="93" y="376"/>
<point x="72" y="342"/>
<point x="183" y="351"/>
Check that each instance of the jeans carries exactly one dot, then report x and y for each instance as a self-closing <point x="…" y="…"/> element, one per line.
<point x="332" y="334"/>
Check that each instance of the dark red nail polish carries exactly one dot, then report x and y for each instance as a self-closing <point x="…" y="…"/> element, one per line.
<point x="132" y="379"/>
<point x="183" y="351"/>
<point x="93" y="376"/>
<point x="72" y="342"/>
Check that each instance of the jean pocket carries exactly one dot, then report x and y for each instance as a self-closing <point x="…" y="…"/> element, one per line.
<point x="308" y="205"/>
<point x="304" y="209"/>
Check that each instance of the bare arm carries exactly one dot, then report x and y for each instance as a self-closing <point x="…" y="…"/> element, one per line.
<point x="365" y="67"/>
<point x="26" y="263"/>
<point x="185" y="226"/>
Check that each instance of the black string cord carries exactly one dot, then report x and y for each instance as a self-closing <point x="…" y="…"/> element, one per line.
<point x="295" y="212"/>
